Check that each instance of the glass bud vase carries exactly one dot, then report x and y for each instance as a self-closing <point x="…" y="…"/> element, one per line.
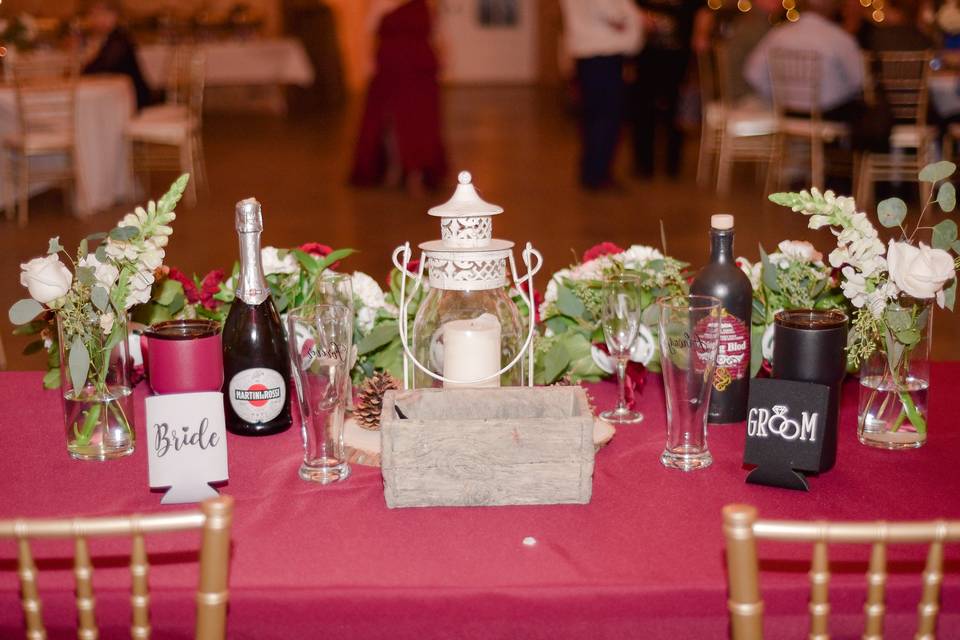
<point x="98" y="412"/>
<point x="895" y="379"/>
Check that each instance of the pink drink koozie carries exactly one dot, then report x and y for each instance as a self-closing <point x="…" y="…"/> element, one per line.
<point x="183" y="356"/>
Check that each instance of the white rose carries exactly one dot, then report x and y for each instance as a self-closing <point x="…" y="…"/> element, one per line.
<point x="105" y="273"/>
<point x="752" y="271"/>
<point x="921" y="271"/>
<point x="550" y="294"/>
<point x="367" y="291"/>
<point x="270" y="256"/>
<point x="46" y="278"/>
<point x="800" y="251"/>
<point x="366" y="318"/>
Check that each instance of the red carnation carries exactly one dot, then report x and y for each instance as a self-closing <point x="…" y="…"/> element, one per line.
<point x="189" y="287"/>
<point x="602" y="249"/>
<point x="209" y="287"/>
<point x="318" y="250"/>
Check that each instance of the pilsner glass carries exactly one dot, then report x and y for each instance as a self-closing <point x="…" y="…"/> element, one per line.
<point x="320" y="340"/>
<point x="689" y="336"/>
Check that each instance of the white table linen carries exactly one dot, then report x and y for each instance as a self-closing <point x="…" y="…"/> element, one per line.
<point x="229" y="63"/>
<point x="104" y="104"/>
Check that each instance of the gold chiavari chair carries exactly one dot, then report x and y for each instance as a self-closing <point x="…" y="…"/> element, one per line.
<point x="46" y="87"/>
<point x="169" y="137"/>
<point x="742" y="529"/>
<point x="795" y="77"/>
<point x="902" y="77"/>
<point x="730" y="132"/>
<point x="214" y="519"/>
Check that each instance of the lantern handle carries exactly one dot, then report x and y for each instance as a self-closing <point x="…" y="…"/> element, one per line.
<point x="404" y="252"/>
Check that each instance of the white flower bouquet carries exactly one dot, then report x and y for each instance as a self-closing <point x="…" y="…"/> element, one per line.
<point x="90" y="305"/>
<point x="793" y="277"/>
<point x="572" y="341"/>
<point x="892" y="288"/>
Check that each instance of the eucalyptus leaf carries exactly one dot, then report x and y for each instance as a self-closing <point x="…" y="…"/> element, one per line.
<point x="101" y="253"/>
<point x="54" y="245"/>
<point x="79" y="364"/>
<point x="944" y="234"/>
<point x="569" y="304"/>
<point x="83" y="250"/>
<point x="558" y="324"/>
<point x="956" y="247"/>
<point x="23" y="311"/>
<point x="937" y="171"/>
<point x="100" y="298"/>
<point x="86" y="276"/>
<point x="891" y="212"/>
<point x="651" y="315"/>
<point x="950" y="295"/>
<point x="908" y="337"/>
<point x="96" y="237"/>
<point x="769" y="272"/>
<point x="947" y="197"/>
<point x="176" y="305"/>
<point x="897" y="319"/>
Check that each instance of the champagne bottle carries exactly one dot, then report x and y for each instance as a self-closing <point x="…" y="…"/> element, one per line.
<point x="724" y="280"/>
<point x="255" y="362"/>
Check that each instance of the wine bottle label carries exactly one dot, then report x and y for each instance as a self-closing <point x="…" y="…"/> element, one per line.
<point x="733" y="352"/>
<point x="257" y="395"/>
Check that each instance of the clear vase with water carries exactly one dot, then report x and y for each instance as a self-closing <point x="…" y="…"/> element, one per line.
<point x="98" y="413"/>
<point x="894" y="381"/>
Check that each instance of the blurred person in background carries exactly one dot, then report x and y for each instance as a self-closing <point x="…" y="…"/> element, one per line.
<point x="660" y="71"/>
<point x="739" y="35"/>
<point x="841" y="73"/>
<point x="112" y="49"/>
<point x="400" y="137"/>
<point x="599" y="34"/>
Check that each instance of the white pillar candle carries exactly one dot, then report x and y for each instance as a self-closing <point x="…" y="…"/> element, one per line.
<point x="471" y="351"/>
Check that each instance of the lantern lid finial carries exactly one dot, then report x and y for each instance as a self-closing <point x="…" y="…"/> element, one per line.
<point x="465" y="202"/>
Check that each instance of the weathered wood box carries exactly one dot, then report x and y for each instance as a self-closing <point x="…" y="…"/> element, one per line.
<point x="472" y="447"/>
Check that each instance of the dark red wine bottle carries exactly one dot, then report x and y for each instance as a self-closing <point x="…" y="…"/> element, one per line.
<point x="255" y="363"/>
<point x="723" y="279"/>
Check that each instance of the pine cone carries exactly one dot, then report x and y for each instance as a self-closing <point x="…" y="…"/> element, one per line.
<point x="370" y="399"/>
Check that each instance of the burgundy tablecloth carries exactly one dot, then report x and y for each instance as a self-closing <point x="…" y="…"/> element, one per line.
<point x="643" y="560"/>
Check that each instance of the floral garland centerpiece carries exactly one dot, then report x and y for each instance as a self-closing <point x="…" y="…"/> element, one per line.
<point x="892" y="288"/>
<point x="793" y="277"/>
<point x="89" y="306"/>
<point x="572" y="343"/>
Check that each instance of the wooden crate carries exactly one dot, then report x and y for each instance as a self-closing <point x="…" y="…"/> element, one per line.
<point x="473" y="447"/>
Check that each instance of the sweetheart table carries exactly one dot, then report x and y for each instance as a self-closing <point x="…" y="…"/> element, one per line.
<point x="644" y="559"/>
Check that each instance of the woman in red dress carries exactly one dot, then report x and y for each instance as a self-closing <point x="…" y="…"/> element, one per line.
<point x="400" y="135"/>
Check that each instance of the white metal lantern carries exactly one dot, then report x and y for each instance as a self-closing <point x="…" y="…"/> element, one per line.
<point x="467" y="330"/>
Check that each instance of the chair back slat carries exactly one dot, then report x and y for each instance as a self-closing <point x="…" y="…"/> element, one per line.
<point x="47" y="108"/>
<point x="186" y="78"/>
<point x="819" y="592"/>
<point x="874" y="608"/>
<point x="795" y="81"/>
<point x="29" y="594"/>
<point x="742" y="529"/>
<point x="903" y="78"/>
<point x="214" y="519"/>
<point x="139" y="589"/>
<point x="83" y="573"/>
<point x="929" y="607"/>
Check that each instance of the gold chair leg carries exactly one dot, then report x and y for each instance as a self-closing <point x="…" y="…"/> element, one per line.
<point x="186" y="166"/>
<point x="816" y="163"/>
<point x="23" y="191"/>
